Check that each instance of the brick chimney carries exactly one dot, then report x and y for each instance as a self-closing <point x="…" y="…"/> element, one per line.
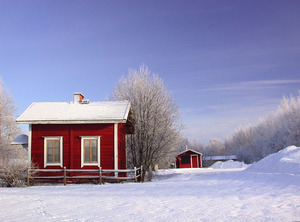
<point x="78" y="97"/>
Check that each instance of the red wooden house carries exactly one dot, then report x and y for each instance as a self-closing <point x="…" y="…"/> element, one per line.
<point x="189" y="159"/>
<point x="78" y="134"/>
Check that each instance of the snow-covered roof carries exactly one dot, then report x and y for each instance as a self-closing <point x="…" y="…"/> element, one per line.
<point x="75" y="112"/>
<point x="22" y="139"/>
<point x="232" y="157"/>
<point x="189" y="150"/>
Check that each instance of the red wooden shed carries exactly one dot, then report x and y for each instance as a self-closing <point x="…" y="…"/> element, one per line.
<point x="78" y="134"/>
<point x="189" y="159"/>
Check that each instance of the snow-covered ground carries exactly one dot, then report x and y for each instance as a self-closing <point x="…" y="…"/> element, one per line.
<point x="228" y="164"/>
<point x="174" y="195"/>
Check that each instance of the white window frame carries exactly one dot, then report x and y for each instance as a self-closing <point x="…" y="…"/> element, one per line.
<point x="60" y="138"/>
<point x="82" y="151"/>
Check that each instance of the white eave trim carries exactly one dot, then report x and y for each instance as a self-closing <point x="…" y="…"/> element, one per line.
<point x="127" y="111"/>
<point x="69" y="121"/>
<point x="189" y="150"/>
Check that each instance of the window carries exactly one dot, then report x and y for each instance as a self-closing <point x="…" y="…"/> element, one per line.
<point x="90" y="151"/>
<point x="185" y="159"/>
<point x="53" y="154"/>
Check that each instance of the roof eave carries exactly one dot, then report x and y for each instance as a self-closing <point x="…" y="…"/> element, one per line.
<point x="189" y="150"/>
<point x="127" y="110"/>
<point x="70" y="121"/>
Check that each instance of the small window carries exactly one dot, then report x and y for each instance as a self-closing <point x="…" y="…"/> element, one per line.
<point x="185" y="159"/>
<point x="90" y="151"/>
<point x="53" y="154"/>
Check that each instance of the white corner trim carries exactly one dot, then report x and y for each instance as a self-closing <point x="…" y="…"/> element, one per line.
<point x="116" y="147"/>
<point x="29" y="145"/>
<point x="98" y="151"/>
<point x="61" y="151"/>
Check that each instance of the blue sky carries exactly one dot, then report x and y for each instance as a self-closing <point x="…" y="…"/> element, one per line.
<point x="227" y="63"/>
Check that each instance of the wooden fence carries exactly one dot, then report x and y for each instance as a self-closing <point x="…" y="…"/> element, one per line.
<point x="100" y="174"/>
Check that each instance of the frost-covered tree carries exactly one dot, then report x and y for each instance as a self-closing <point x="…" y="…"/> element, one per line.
<point x="186" y="144"/>
<point x="273" y="133"/>
<point x="8" y="126"/>
<point x="157" y="124"/>
<point x="215" y="147"/>
<point x="13" y="159"/>
<point x="197" y="146"/>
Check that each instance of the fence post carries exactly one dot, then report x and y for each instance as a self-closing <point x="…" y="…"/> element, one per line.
<point x="100" y="175"/>
<point x="135" y="179"/>
<point x="65" y="176"/>
<point x="28" y="179"/>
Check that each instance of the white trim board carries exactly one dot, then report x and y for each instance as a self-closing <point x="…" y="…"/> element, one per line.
<point x="29" y="145"/>
<point x="116" y="147"/>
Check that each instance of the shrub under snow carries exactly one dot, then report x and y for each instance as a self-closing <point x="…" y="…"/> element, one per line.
<point x="14" y="173"/>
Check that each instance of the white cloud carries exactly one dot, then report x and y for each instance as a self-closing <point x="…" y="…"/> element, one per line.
<point x="251" y="85"/>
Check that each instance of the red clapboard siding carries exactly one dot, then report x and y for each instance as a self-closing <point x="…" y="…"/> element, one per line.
<point x="71" y="134"/>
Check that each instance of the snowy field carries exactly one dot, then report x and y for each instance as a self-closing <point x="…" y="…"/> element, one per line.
<point x="233" y="194"/>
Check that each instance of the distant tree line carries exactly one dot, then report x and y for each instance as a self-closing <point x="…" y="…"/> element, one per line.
<point x="215" y="147"/>
<point x="274" y="132"/>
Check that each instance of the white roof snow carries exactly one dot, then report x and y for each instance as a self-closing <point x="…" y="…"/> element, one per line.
<point x="284" y="161"/>
<point x="70" y="112"/>
<point x="20" y="140"/>
<point x="232" y="157"/>
<point x="189" y="150"/>
<point x="229" y="164"/>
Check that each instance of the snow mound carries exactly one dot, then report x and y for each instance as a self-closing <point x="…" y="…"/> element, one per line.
<point x="285" y="161"/>
<point x="228" y="165"/>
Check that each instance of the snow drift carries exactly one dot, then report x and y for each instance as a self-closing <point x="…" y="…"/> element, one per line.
<point x="228" y="165"/>
<point x="285" y="161"/>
